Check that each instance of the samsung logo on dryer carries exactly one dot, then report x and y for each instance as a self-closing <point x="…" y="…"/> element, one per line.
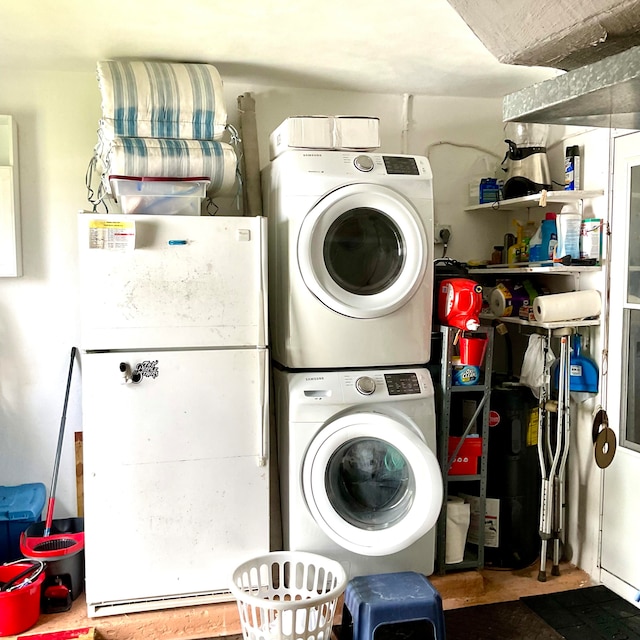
<point x="310" y="379"/>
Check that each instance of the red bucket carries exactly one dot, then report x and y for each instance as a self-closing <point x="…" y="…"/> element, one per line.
<point x="472" y="349"/>
<point x="20" y="608"/>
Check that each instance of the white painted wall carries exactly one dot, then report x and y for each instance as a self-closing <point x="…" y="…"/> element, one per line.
<point x="57" y="115"/>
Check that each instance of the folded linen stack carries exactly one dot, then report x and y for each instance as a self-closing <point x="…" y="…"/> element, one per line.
<point x="163" y="120"/>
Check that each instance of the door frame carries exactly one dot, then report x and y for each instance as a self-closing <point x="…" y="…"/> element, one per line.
<point x="626" y="153"/>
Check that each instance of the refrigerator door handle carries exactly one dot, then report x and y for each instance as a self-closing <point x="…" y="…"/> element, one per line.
<point x="263" y="331"/>
<point x="264" y="403"/>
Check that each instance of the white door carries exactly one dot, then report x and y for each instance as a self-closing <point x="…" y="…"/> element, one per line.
<point x="176" y="492"/>
<point x="620" y="559"/>
<point x="372" y="494"/>
<point x="362" y="250"/>
<point x="171" y="281"/>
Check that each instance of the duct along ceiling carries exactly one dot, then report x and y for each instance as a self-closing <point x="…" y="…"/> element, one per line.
<point x="596" y="42"/>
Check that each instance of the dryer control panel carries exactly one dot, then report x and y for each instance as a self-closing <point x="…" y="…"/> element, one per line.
<point x="322" y="164"/>
<point x="401" y="165"/>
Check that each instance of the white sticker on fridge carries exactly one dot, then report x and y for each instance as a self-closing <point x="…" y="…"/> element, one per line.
<point x="108" y="234"/>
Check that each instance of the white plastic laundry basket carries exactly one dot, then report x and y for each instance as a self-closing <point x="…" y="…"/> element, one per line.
<point x="288" y="595"/>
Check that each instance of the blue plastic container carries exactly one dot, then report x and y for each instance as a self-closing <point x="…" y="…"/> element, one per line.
<point x="549" y="234"/>
<point x="583" y="371"/>
<point x="20" y="506"/>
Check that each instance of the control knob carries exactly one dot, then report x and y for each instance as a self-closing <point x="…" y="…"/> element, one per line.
<point x="365" y="385"/>
<point x="363" y="163"/>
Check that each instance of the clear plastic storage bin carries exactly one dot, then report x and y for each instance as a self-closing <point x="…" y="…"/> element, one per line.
<point x="288" y="595"/>
<point x="160" y="196"/>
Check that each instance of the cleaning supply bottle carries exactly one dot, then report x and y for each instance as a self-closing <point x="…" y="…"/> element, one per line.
<point x="572" y="168"/>
<point x="535" y="246"/>
<point x="568" y="223"/>
<point x="515" y="251"/>
<point x="548" y="237"/>
<point x="528" y="232"/>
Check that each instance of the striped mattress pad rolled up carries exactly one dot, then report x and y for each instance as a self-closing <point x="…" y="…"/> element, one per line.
<point x="160" y="158"/>
<point x="145" y="99"/>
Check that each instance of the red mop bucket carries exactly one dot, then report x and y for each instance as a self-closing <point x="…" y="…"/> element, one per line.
<point x="47" y="545"/>
<point x="59" y="543"/>
<point x="20" y="604"/>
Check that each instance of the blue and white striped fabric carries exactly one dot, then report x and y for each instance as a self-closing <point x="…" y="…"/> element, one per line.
<point x="144" y="99"/>
<point x="170" y="158"/>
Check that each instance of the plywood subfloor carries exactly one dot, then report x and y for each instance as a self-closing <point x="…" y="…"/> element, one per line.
<point x="461" y="589"/>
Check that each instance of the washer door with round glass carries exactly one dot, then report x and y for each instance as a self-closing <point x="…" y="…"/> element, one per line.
<point x="371" y="483"/>
<point x="362" y="250"/>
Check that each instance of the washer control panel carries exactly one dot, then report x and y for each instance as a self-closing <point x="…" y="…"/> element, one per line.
<point x="365" y="385"/>
<point x="360" y="386"/>
<point x="402" y="384"/>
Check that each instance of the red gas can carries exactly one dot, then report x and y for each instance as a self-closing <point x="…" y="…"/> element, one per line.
<point x="460" y="303"/>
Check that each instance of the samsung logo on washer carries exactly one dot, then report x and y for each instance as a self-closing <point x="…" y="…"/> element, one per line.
<point x="316" y="378"/>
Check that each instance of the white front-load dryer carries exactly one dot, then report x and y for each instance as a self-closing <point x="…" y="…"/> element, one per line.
<point x="350" y="264"/>
<point x="359" y="478"/>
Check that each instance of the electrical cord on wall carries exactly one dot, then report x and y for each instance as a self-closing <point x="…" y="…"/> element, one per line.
<point x="445" y="234"/>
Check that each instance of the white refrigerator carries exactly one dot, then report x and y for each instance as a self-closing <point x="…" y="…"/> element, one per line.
<point x="175" y="406"/>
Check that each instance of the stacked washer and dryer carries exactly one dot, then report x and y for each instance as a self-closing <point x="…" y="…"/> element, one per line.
<point x="350" y="296"/>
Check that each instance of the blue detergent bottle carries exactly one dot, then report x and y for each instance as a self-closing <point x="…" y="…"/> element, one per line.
<point x="549" y="237"/>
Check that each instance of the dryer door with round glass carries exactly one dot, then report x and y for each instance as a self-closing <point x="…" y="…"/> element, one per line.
<point x="362" y="250"/>
<point x="371" y="482"/>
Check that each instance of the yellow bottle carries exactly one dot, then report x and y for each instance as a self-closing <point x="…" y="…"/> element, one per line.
<point x="515" y="251"/>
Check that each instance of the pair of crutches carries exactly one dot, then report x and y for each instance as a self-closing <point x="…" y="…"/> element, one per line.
<point x="553" y="450"/>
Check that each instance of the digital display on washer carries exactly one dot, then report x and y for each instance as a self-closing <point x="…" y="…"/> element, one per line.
<point x="401" y="384"/>
<point x="401" y="166"/>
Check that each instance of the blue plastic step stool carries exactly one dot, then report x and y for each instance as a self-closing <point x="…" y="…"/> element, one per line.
<point x="388" y="598"/>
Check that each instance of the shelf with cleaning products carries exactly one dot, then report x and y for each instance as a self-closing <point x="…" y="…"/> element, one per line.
<point x="524" y="267"/>
<point x="544" y="325"/>
<point x="542" y="199"/>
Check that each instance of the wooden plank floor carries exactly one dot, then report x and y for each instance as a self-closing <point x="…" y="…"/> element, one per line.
<point x="210" y="621"/>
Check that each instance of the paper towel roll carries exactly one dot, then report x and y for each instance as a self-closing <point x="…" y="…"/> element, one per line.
<point x="575" y="305"/>
<point x="458" y="518"/>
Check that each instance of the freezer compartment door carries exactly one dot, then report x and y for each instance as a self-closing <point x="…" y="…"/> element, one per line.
<point x="171" y="281"/>
<point x="175" y="493"/>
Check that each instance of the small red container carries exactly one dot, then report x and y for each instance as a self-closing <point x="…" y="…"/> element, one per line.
<point x="472" y="349"/>
<point x="19" y="609"/>
<point x="466" y="462"/>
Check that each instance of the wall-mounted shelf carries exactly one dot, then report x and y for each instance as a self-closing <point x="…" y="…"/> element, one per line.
<point x="544" y="325"/>
<point x="527" y="202"/>
<point x="526" y="268"/>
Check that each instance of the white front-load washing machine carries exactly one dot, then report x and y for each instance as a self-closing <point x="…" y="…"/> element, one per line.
<point x="350" y="264"/>
<point x="359" y="479"/>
